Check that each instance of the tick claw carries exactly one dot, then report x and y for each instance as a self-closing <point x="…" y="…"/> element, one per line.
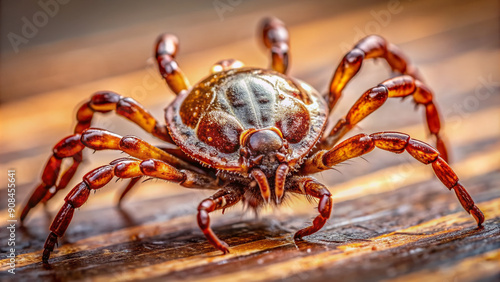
<point x="224" y="248"/>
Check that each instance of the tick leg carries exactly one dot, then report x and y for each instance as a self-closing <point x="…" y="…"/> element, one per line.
<point x="310" y="187"/>
<point x="157" y="163"/>
<point x="107" y="101"/>
<point x="172" y="151"/>
<point x="69" y="147"/>
<point x="123" y="168"/>
<point x="97" y="139"/>
<point x="394" y="142"/>
<point x="65" y="178"/>
<point x="371" y="100"/>
<point x="372" y="46"/>
<point x="276" y="39"/>
<point x="166" y="50"/>
<point x="103" y="102"/>
<point x="93" y="180"/>
<point x="222" y="199"/>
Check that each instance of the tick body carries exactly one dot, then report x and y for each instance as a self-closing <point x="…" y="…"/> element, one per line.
<point x="235" y="116"/>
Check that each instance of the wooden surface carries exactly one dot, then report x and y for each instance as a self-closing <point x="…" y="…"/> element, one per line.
<point x="392" y="218"/>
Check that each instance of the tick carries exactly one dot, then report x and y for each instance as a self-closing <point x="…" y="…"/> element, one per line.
<point x="253" y="135"/>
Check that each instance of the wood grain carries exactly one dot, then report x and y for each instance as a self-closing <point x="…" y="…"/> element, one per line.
<point x="392" y="219"/>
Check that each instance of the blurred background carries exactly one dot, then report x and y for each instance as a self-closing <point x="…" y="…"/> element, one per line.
<point x="56" y="53"/>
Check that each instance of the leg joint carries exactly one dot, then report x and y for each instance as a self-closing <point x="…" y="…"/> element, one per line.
<point x="104" y="101"/>
<point x="354" y="57"/>
<point x="207" y="205"/>
<point x="421" y="151"/>
<point x="391" y="141"/>
<point x="99" y="177"/>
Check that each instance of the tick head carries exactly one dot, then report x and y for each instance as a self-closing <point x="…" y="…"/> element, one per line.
<point x="264" y="153"/>
<point x="264" y="149"/>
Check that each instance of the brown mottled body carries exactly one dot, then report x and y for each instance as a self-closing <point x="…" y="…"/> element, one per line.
<point x="210" y="121"/>
<point x="254" y="134"/>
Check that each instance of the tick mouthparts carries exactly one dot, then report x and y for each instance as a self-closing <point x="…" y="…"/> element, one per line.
<point x="265" y="190"/>
<point x="280" y="178"/>
<point x="261" y="179"/>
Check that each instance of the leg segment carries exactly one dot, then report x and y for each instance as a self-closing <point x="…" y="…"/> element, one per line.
<point x="372" y="46"/>
<point x="166" y="50"/>
<point x="371" y="100"/>
<point x="394" y="142"/>
<point x="310" y="187"/>
<point x="123" y="168"/>
<point x="276" y="39"/>
<point x="222" y="199"/>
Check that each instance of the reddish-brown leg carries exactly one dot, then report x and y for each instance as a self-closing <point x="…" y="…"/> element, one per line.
<point x="96" y="139"/>
<point x="100" y="139"/>
<point x="103" y="102"/>
<point x="395" y="142"/>
<point x="372" y="46"/>
<point x="69" y="147"/>
<point x="107" y="101"/>
<point x="123" y="168"/>
<point x="166" y="50"/>
<point x="371" y="100"/>
<point x="276" y="39"/>
<point x="93" y="180"/>
<point x="223" y="198"/>
<point x="310" y="187"/>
